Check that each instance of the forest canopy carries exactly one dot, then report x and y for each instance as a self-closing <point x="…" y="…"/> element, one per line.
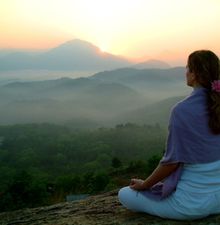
<point x="42" y="163"/>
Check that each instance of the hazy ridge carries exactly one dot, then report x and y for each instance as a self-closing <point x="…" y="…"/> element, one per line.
<point x="104" y="99"/>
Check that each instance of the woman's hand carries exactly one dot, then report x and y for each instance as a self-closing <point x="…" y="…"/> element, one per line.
<point x="137" y="184"/>
<point x="160" y="173"/>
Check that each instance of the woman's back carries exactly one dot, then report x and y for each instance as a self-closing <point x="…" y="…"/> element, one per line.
<point x="190" y="138"/>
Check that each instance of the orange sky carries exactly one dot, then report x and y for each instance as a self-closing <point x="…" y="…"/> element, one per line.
<point x="162" y="29"/>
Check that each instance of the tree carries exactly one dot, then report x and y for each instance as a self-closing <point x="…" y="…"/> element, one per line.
<point x="152" y="163"/>
<point x="100" y="181"/>
<point x="116" y="162"/>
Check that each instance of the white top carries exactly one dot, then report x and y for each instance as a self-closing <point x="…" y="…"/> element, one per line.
<point x="200" y="178"/>
<point x="198" y="190"/>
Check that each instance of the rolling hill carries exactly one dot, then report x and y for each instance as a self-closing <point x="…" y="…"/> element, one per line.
<point x="104" y="99"/>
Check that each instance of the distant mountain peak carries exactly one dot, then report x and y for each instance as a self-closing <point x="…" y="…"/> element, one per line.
<point x="78" y="44"/>
<point x="74" y="55"/>
<point x="152" y="63"/>
<point x="79" y="41"/>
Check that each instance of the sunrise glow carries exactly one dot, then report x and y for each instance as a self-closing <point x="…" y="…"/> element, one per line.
<point x="168" y="30"/>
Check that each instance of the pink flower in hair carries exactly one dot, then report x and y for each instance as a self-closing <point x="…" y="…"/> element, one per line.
<point x="216" y="86"/>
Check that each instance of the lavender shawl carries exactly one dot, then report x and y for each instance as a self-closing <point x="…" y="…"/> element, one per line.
<point x="190" y="140"/>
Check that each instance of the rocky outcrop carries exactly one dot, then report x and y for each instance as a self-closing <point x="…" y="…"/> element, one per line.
<point x="101" y="209"/>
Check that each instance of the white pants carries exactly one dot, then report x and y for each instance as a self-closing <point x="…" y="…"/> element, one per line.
<point x="166" y="208"/>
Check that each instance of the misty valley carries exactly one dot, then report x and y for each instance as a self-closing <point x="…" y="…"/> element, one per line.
<point x="104" y="99"/>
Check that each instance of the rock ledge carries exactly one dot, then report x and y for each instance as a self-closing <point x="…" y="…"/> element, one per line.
<point x="101" y="209"/>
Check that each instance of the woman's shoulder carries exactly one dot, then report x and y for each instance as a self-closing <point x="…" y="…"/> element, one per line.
<point x="196" y="101"/>
<point x="181" y="106"/>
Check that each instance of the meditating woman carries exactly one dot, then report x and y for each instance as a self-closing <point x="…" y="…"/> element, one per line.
<point x="186" y="183"/>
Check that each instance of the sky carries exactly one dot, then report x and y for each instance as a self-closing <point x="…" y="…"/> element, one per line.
<point x="138" y="29"/>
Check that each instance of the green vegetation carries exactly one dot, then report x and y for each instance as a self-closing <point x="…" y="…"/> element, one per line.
<point x="42" y="163"/>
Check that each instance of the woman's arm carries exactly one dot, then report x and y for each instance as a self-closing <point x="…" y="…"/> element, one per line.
<point x="161" y="172"/>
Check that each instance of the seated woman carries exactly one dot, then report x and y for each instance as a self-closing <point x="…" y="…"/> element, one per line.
<point x="186" y="183"/>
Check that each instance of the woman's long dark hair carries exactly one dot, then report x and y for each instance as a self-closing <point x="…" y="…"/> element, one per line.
<point x="206" y="67"/>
